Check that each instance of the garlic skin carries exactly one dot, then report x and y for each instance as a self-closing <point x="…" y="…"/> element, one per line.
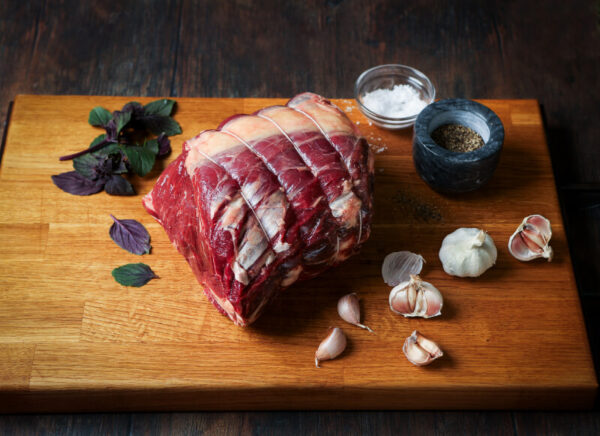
<point x="419" y="350"/>
<point x="332" y="346"/>
<point x="468" y="252"/>
<point x="531" y="239"/>
<point x="416" y="298"/>
<point x="349" y="310"/>
<point x="398" y="266"/>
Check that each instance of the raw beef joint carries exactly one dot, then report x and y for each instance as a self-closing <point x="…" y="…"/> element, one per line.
<point x="267" y="199"/>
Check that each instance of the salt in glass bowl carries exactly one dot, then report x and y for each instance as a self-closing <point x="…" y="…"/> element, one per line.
<point x="386" y="77"/>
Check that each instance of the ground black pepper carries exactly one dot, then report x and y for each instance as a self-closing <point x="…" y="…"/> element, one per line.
<point x="457" y="138"/>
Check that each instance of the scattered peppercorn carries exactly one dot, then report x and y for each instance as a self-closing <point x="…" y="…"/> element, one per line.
<point x="457" y="138"/>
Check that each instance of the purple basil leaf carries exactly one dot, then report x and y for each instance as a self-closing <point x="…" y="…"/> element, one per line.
<point x="130" y="235"/>
<point x="136" y="109"/>
<point x="133" y="274"/>
<point x="111" y="130"/>
<point x="164" y="145"/>
<point x="117" y="185"/>
<point x="104" y="170"/>
<point x="118" y="164"/>
<point x="74" y="183"/>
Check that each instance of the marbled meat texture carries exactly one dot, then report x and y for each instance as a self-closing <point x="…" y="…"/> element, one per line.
<point x="267" y="199"/>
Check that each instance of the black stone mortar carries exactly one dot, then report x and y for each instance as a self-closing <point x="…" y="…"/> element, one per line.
<point x="451" y="172"/>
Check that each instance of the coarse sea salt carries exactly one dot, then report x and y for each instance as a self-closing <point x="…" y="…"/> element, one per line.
<point x="399" y="102"/>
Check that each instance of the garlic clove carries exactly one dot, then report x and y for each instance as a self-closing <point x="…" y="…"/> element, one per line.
<point x="403" y="298"/>
<point x="416" y="298"/>
<point x="435" y="301"/>
<point x="419" y="350"/>
<point x="415" y="354"/>
<point x="349" y="310"/>
<point x="531" y="239"/>
<point x="542" y="224"/>
<point x="332" y="346"/>
<point x="429" y="346"/>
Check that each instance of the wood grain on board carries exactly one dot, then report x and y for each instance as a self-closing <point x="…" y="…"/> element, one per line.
<point x="73" y="339"/>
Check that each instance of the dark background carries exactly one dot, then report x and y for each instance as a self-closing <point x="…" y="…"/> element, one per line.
<point x="548" y="50"/>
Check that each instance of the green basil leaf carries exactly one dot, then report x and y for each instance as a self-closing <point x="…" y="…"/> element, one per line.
<point x="108" y="150"/>
<point x="133" y="274"/>
<point x="159" y="124"/>
<point x="141" y="159"/>
<point x="87" y="165"/>
<point x="152" y="145"/>
<point x="99" y="117"/>
<point x="122" y="119"/>
<point x="97" y="140"/>
<point x="162" y="107"/>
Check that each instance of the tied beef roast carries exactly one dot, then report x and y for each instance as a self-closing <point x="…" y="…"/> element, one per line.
<point x="265" y="200"/>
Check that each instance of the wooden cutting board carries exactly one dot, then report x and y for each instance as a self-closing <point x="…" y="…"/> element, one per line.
<point x="72" y="339"/>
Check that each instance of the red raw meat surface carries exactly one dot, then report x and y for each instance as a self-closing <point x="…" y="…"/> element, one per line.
<point x="265" y="200"/>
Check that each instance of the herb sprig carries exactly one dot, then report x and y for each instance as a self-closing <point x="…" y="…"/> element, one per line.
<point x="128" y="146"/>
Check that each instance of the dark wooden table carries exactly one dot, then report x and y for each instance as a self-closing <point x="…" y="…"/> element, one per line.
<point x="494" y="49"/>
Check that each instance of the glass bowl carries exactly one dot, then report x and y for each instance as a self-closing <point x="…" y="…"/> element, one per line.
<point x="386" y="77"/>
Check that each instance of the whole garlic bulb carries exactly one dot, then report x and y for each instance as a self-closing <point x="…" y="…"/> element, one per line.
<point x="468" y="252"/>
